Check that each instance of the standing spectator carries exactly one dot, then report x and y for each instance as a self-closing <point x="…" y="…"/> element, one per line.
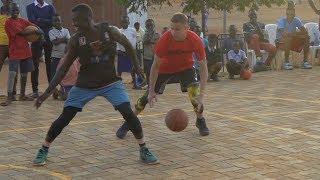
<point x="253" y="31"/>
<point x="19" y="53"/>
<point x="228" y="42"/>
<point x="4" y="14"/>
<point x="41" y="14"/>
<point x="139" y="47"/>
<point x="237" y="60"/>
<point x="4" y="49"/>
<point x="124" y="62"/>
<point x="288" y="38"/>
<point x="164" y="30"/>
<point x="59" y="37"/>
<point x="149" y="40"/>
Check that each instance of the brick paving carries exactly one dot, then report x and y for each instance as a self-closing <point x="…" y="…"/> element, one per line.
<point x="265" y="128"/>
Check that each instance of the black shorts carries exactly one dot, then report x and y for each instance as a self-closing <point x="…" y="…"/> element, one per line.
<point x="185" y="78"/>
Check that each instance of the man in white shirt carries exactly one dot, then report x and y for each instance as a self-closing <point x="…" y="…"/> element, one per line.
<point x="124" y="62"/>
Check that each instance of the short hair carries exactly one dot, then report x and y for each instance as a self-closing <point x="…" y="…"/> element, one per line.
<point x="151" y="20"/>
<point x="136" y="24"/>
<point x="179" y="18"/>
<point x="83" y="9"/>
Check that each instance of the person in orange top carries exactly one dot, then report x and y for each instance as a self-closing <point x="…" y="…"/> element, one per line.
<point x="19" y="53"/>
<point x="173" y="59"/>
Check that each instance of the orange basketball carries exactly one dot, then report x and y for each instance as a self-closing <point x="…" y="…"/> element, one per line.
<point x="33" y="37"/>
<point x="176" y="120"/>
<point x="246" y="75"/>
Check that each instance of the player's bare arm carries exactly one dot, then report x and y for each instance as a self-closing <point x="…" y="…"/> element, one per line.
<point x="69" y="59"/>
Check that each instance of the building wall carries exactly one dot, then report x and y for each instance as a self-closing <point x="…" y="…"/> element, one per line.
<point x="104" y="10"/>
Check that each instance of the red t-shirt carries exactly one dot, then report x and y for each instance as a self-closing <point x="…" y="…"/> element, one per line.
<point x="176" y="56"/>
<point x="19" y="48"/>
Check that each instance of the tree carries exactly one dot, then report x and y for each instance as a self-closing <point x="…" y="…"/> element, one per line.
<point x="196" y="6"/>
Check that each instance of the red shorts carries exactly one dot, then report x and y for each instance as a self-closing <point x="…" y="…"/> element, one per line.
<point x="297" y="44"/>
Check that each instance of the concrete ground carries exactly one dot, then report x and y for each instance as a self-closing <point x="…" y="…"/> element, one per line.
<point x="264" y="128"/>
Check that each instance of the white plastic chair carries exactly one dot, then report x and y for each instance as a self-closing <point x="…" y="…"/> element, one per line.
<point x="314" y="33"/>
<point x="271" y="30"/>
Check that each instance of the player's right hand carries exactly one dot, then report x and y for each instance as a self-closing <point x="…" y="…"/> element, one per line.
<point x="40" y="100"/>
<point x="152" y="97"/>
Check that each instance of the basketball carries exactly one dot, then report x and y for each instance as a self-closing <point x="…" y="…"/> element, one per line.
<point x="246" y="75"/>
<point x="176" y="120"/>
<point x="33" y="37"/>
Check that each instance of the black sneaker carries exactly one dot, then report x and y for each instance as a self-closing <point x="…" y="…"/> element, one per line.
<point x="122" y="131"/>
<point x="201" y="125"/>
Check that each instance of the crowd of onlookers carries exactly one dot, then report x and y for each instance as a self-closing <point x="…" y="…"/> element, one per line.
<point x="229" y="50"/>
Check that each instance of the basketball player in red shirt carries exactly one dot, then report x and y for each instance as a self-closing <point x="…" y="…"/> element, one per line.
<point x="173" y="61"/>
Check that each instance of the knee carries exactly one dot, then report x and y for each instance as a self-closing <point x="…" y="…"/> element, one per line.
<point x="67" y="115"/>
<point x="194" y="92"/>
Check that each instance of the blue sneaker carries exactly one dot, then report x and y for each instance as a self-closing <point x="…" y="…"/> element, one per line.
<point x="306" y="65"/>
<point x="147" y="157"/>
<point x="122" y="131"/>
<point x="41" y="157"/>
<point x="287" y="66"/>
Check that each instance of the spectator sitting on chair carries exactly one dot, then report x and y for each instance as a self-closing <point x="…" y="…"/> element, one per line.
<point x="288" y="38"/>
<point x="254" y="36"/>
<point x="237" y="60"/>
<point x="228" y="42"/>
<point x="214" y="57"/>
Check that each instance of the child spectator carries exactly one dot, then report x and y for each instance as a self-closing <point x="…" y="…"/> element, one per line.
<point x="237" y="60"/>
<point x="59" y="37"/>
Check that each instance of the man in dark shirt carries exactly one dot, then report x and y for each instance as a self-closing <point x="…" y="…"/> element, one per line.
<point x="214" y="57"/>
<point x="253" y="31"/>
<point x="41" y="13"/>
<point x="95" y="45"/>
<point x="228" y="42"/>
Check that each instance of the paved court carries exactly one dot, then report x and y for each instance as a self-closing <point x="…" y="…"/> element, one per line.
<point x="268" y="127"/>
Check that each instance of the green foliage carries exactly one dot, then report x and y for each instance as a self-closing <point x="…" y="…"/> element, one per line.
<point x="195" y="6"/>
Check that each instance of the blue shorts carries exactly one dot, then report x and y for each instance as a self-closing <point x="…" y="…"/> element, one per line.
<point x="115" y="93"/>
<point x="25" y="65"/>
